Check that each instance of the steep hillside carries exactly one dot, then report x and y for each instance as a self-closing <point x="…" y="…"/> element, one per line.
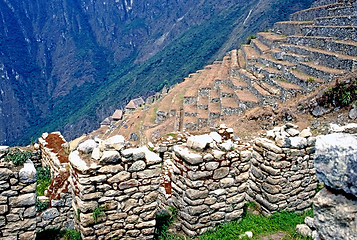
<point x="258" y="80"/>
<point x="66" y="64"/>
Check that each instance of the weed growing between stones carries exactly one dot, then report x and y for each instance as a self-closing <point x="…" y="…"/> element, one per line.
<point x="341" y="94"/>
<point x="41" y="206"/>
<point x="17" y="157"/>
<point x="163" y="220"/>
<point x="43" y="180"/>
<point x="96" y="213"/>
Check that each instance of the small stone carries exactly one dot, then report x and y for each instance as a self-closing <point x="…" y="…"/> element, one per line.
<point x="28" y="173"/>
<point x="5" y="174"/>
<point x="305" y="133"/>
<point x="87" y="147"/>
<point x="227" y="146"/>
<point x="199" y="142"/>
<point x="23" y="200"/>
<point x="304" y="230"/>
<point x="292" y="132"/>
<point x="77" y="162"/>
<point x="117" y="142"/>
<point x="50" y="214"/>
<point x="216" y="137"/>
<point x="110" y="157"/>
<point x="309" y="221"/>
<point x="221" y="173"/>
<point x="268" y="144"/>
<point x="187" y="155"/>
<point x="96" y="154"/>
<point x="137" y="166"/>
<point x="120" y="177"/>
<point x="249" y="234"/>
<point x="298" y="142"/>
<point x="212" y="165"/>
<point x="219" y="155"/>
<point x="151" y="157"/>
<point x="353" y="113"/>
<point x="208" y="157"/>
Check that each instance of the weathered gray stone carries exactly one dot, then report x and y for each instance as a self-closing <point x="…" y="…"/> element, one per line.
<point x="149" y="173"/>
<point x="50" y="214"/>
<point x="120" y="177"/>
<point x="116" y="142"/>
<point x="283" y="142"/>
<point x="227" y="145"/>
<point x="77" y="162"/>
<point x="151" y="157"/>
<point x="304" y="230"/>
<point x="336" y="161"/>
<point x="268" y="144"/>
<point x="216" y="137"/>
<point x="226" y="182"/>
<point x="111" y="169"/>
<point x="196" y="194"/>
<point x="212" y="165"/>
<point x="220" y="172"/>
<point x="96" y="154"/>
<point x="219" y="155"/>
<point x="110" y="157"/>
<point x="5" y="174"/>
<point x="309" y="221"/>
<point x="137" y="166"/>
<point x="353" y="113"/>
<point x="298" y="142"/>
<point x="30" y="212"/>
<point x="4" y="150"/>
<point x="292" y="132"/>
<point x="305" y="133"/>
<point x="199" y="142"/>
<point x="335" y="216"/>
<point x="23" y="200"/>
<point x="128" y="184"/>
<point x="187" y="155"/>
<point x="87" y="146"/>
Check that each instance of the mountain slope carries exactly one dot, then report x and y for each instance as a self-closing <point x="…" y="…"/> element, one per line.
<point x="84" y="59"/>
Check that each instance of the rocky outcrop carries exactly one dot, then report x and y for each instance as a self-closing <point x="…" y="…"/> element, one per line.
<point x="335" y="207"/>
<point x="335" y="215"/>
<point x="336" y="161"/>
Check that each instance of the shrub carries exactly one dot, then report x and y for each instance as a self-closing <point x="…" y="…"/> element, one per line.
<point x="43" y="180"/>
<point x="17" y="157"/>
<point x="42" y="205"/>
<point x="96" y="213"/>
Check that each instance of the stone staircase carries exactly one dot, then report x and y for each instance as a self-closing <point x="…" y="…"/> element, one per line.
<point x="317" y="45"/>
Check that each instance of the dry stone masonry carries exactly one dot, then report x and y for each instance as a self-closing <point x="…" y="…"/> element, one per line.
<point x="282" y="175"/>
<point x="17" y="199"/>
<point x="209" y="182"/>
<point x="115" y="189"/>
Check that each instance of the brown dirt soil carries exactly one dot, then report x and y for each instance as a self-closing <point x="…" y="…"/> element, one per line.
<point x="55" y="143"/>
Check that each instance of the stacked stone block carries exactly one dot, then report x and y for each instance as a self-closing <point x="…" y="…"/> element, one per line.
<point x="17" y="199"/>
<point x="60" y="215"/>
<point x="115" y="189"/>
<point x="209" y="182"/>
<point x="282" y="174"/>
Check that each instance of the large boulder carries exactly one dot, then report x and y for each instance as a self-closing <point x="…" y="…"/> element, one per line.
<point x="336" y="161"/>
<point x="335" y="216"/>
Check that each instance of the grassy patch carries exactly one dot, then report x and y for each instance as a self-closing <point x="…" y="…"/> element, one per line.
<point x="56" y="234"/>
<point x="280" y="222"/>
<point x="43" y="180"/>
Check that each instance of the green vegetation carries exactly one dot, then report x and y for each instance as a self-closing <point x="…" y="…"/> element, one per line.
<point x="171" y="134"/>
<point x="97" y="212"/>
<point x="40" y="206"/>
<point x="249" y="39"/>
<point x="57" y="234"/>
<point x="310" y="80"/>
<point x="43" y="180"/>
<point x="163" y="220"/>
<point x="115" y="85"/>
<point x="280" y="222"/>
<point x="18" y="157"/>
<point x="341" y="94"/>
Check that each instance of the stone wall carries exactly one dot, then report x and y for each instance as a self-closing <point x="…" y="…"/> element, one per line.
<point x="209" y="182"/>
<point x="282" y="175"/>
<point x="17" y="199"/>
<point x="60" y="214"/>
<point x="115" y="189"/>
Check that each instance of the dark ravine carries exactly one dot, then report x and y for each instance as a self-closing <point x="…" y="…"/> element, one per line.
<point x="66" y="64"/>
